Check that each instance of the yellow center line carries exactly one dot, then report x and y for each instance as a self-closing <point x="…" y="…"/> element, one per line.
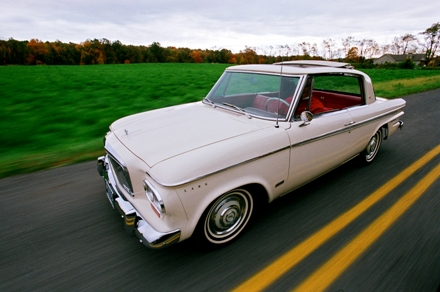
<point x="279" y="267"/>
<point x="332" y="269"/>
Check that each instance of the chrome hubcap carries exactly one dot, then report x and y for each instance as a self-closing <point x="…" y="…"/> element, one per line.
<point x="227" y="215"/>
<point x="372" y="146"/>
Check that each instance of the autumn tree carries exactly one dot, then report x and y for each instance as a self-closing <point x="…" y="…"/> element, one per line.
<point x="60" y="53"/>
<point x="37" y="52"/>
<point x="218" y="56"/>
<point x="352" y="55"/>
<point x="196" y="57"/>
<point x="248" y="56"/>
<point x="233" y="59"/>
<point x="56" y="52"/>
<point x="172" y="54"/>
<point x="92" y="52"/>
<point x="184" y="55"/>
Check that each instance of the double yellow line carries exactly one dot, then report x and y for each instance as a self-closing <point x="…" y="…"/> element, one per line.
<point x="325" y="275"/>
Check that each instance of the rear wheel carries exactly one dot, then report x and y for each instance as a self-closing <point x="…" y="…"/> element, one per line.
<point x="225" y="218"/>
<point x="372" y="148"/>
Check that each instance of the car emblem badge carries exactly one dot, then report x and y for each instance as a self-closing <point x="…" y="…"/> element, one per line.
<point x="126" y="132"/>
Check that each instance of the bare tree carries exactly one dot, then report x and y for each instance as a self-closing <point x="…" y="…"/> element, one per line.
<point x="385" y="49"/>
<point x="288" y="50"/>
<point x="295" y="49"/>
<point x="329" y="48"/>
<point x="306" y="48"/>
<point x="361" y="44"/>
<point x="396" y="46"/>
<point x="338" y="53"/>
<point x="408" y="43"/>
<point x="270" y="50"/>
<point x="348" y="43"/>
<point x="284" y="51"/>
<point x="371" y="48"/>
<point x="432" y="41"/>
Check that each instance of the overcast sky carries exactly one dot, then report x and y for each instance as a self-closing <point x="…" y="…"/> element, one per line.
<point x="215" y="24"/>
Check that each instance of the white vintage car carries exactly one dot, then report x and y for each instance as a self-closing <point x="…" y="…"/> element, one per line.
<point x="200" y="169"/>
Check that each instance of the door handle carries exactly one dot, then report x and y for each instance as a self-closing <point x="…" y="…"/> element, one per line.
<point x="349" y="123"/>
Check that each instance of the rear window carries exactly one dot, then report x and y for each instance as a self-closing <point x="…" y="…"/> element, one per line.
<point x="338" y="83"/>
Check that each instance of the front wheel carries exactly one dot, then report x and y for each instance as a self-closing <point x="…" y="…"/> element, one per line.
<point x="372" y="148"/>
<point x="225" y="218"/>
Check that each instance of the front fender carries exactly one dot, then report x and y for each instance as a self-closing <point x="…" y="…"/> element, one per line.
<point x="269" y="172"/>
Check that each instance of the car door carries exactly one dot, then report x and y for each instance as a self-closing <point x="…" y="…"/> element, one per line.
<point x="320" y="145"/>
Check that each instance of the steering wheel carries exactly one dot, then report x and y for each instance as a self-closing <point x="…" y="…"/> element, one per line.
<point x="276" y="98"/>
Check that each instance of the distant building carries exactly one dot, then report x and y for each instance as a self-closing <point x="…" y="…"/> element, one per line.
<point x="388" y="58"/>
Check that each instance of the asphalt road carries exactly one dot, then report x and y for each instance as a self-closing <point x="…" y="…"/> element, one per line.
<point x="58" y="231"/>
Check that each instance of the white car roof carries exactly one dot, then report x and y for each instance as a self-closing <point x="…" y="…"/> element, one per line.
<point x="314" y="63"/>
<point x="298" y="67"/>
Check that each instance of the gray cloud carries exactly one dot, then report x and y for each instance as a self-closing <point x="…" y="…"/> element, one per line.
<point x="206" y="24"/>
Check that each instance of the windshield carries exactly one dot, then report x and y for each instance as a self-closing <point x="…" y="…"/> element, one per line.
<point x="260" y="95"/>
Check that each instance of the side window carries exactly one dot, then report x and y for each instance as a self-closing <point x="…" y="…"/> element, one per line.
<point x="332" y="92"/>
<point x="304" y="100"/>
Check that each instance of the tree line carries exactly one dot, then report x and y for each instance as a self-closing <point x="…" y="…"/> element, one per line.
<point x="104" y="51"/>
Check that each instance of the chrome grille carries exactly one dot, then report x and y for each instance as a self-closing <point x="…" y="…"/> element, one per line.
<point x="121" y="173"/>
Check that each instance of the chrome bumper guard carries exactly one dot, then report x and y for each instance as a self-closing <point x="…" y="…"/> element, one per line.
<point x="133" y="221"/>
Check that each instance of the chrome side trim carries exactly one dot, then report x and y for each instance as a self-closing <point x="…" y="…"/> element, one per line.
<point x="216" y="171"/>
<point x="134" y="223"/>
<point x="323" y="136"/>
<point x="347" y="128"/>
<point x="396" y="111"/>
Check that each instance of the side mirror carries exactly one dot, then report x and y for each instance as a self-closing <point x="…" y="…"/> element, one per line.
<point x="306" y="117"/>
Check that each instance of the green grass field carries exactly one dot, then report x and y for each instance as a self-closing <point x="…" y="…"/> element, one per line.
<point x="391" y="83"/>
<point x="57" y="115"/>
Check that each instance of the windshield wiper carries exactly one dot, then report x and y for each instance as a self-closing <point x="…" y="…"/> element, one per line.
<point x="237" y="108"/>
<point x="210" y="102"/>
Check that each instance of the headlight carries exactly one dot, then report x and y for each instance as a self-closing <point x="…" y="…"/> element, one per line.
<point x="155" y="199"/>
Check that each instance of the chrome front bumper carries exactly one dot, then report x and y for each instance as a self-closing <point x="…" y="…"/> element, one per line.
<point x="133" y="221"/>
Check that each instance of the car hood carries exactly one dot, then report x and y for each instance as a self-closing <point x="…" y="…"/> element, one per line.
<point x="184" y="142"/>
